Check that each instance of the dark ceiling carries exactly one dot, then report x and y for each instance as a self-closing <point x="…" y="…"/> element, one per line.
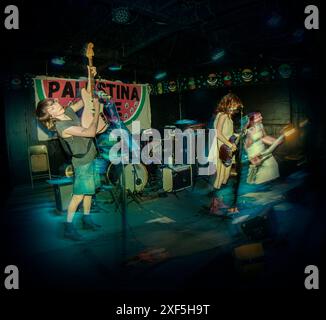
<point x="179" y="37"/>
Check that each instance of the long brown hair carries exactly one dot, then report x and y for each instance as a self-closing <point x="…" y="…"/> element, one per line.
<point x="43" y="115"/>
<point x="227" y="102"/>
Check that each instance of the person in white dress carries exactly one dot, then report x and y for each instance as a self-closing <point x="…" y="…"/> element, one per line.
<point x="223" y="124"/>
<point x="260" y="171"/>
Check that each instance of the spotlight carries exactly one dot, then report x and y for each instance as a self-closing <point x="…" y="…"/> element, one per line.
<point x="58" y="61"/>
<point x="120" y="15"/>
<point x="160" y="75"/>
<point x="218" y="55"/>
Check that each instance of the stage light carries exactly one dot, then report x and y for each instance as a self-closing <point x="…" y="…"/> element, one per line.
<point x="58" y="61"/>
<point x="220" y="53"/>
<point x="115" y="67"/>
<point x="160" y="75"/>
<point x="274" y="20"/>
<point x="16" y="82"/>
<point x="120" y="15"/>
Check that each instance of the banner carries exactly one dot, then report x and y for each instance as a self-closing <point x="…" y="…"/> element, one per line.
<point x="132" y="100"/>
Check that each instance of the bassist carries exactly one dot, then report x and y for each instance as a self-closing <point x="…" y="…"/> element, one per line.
<point x="79" y="139"/>
<point x="223" y="124"/>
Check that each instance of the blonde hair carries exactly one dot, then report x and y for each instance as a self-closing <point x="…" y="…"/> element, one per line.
<point x="43" y="115"/>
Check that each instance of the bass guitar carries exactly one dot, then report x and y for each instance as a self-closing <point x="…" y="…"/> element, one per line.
<point x="226" y="153"/>
<point x="88" y="95"/>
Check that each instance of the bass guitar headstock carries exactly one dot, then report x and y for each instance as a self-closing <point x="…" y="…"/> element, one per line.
<point x="90" y="53"/>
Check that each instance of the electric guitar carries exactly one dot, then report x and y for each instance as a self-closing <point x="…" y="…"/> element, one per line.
<point x="88" y="95"/>
<point x="259" y="159"/>
<point x="226" y="153"/>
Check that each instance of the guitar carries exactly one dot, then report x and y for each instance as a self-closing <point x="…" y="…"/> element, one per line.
<point x="226" y="153"/>
<point x="259" y="159"/>
<point x="88" y="95"/>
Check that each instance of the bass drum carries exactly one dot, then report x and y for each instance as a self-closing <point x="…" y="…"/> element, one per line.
<point x="66" y="170"/>
<point x="136" y="176"/>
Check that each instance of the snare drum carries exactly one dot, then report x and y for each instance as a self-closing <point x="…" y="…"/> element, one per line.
<point x="136" y="176"/>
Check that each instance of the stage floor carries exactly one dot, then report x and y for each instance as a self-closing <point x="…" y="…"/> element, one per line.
<point x="169" y="243"/>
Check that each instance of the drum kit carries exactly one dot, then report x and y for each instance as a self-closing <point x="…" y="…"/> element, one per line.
<point x="136" y="176"/>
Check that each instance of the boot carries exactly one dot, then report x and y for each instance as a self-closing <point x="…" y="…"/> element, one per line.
<point x="71" y="233"/>
<point x="89" y="224"/>
<point x="221" y="204"/>
<point x="214" y="207"/>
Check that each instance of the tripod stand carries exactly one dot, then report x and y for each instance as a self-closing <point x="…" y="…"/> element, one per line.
<point x="137" y="181"/>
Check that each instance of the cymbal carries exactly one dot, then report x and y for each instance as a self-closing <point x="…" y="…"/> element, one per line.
<point x="185" y="121"/>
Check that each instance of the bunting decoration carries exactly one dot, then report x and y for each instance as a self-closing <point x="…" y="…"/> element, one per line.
<point x="225" y="78"/>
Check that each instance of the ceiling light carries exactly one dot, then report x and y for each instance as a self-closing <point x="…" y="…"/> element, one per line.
<point x="121" y="15"/>
<point x="58" y="61"/>
<point x="218" y="55"/>
<point x="115" y="67"/>
<point x="160" y="75"/>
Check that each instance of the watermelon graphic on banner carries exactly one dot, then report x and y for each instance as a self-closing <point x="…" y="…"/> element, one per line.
<point x="132" y="100"/>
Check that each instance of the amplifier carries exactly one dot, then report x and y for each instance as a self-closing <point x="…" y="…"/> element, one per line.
<point x="63" y="189"/>
<point x="177" y="178"/>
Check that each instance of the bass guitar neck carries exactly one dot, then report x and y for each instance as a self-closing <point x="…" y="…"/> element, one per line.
<point x="88" y="95"/>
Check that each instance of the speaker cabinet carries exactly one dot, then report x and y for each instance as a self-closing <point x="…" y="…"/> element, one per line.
<point x="262" y="226"/>
<point x="63" y="195"/>
<point x="177" y="178"/>
<point x="63" y="189"/>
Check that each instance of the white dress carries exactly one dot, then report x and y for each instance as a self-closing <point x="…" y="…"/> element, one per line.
<point x="266" y="171"/>
<point x="222" y="172"/>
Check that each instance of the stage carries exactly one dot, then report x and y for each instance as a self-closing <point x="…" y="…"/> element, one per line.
<point x="166" y="243"/>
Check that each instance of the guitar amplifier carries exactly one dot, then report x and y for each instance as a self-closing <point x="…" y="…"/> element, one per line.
<point x="177" y="178"/>
<point x="63" y="189"/>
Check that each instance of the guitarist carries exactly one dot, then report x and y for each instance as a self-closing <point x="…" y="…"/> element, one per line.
<point x="223" y="124"/>
<point x="79" y="142"/>
<point x="260" y="170"/>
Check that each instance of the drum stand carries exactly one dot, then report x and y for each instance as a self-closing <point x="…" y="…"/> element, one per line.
<point x="118" y="193"/>
<point x="134" y="195"/>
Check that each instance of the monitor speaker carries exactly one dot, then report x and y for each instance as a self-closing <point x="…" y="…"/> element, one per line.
<point x="260" y="227"/>
<point x="63" y="189"/>
<point x="177" y="178"/>
<point x="63" y="195"/>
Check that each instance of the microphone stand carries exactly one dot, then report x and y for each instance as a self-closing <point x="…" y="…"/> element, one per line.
<point x="236" y="186"/>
